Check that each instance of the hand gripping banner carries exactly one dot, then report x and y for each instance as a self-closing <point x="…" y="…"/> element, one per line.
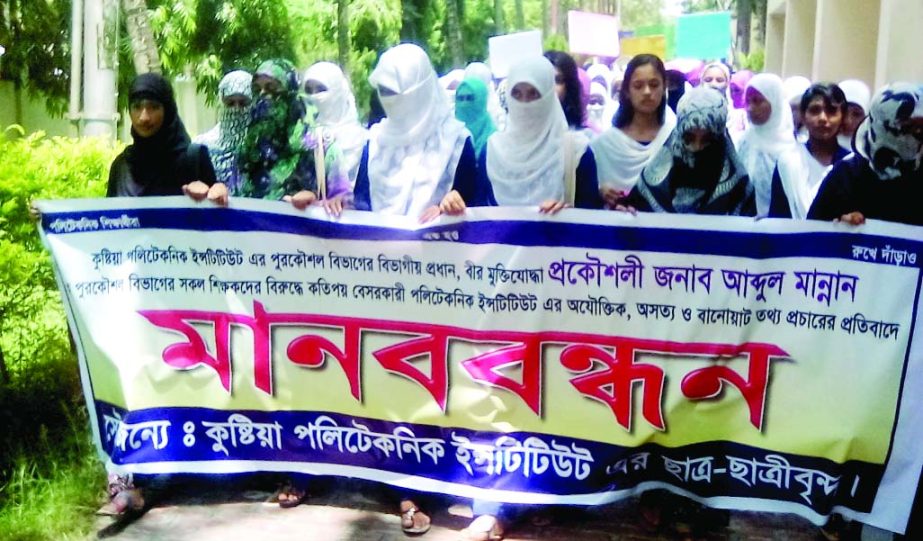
<point x="571" y="359"/>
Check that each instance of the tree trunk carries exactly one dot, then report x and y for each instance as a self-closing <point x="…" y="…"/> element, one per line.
<point x="759" y="12"/>
<point x="343" y="34"/>
<point x="499" y="26"/>
<point x="520" y="15"/>
<point x="4" y="371"/>
<point x="555" y="16"/>
<point x="453" y="28"/>
<point x="744" y="13"/>
<point x="143" y="46"/>
<point x="411" y="19"/>
<point x="546" y="19"/>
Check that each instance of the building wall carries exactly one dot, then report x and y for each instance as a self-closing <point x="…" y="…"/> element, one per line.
<point x="196" y="115"/>
<point x="846" y="38"/>
<point x="877" y="41"/>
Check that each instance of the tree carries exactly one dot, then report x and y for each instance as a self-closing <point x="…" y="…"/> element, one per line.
<point x="206" y="38"/>
<point x="144" y="47"/>
<point x="37" y="58"/>
<point x="744" y="15"/>
<point x="499" y="25"/>
<point x="520" y="15"/>
<point x="454" y="33"/>
<point x="343" y="33"/>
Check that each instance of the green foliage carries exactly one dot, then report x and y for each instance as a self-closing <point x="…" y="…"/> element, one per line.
<point x="37" y="59"/>
<point x="207" y="38"/>
<point x="374" y="25"/>
<point x="753" y="61"/>
<point x="49" y="475"/>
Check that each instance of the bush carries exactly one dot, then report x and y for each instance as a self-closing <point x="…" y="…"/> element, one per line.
<point x="48" y="471"/>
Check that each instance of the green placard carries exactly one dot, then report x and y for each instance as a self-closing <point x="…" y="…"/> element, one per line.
<point x="706" y="36"/>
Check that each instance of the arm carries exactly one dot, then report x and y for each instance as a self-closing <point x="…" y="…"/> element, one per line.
<point x="834" y="198"/>
<point x="587" y="194"/>
<point x="467" y="180"/>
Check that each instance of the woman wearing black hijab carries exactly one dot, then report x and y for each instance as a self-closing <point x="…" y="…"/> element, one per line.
<point x="161" y="160"/>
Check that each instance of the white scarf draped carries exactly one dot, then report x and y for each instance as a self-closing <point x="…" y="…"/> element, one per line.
<point x="337" y="115"/>
<point x="413" y="153"/>
<point x="620" y="159"/>
<point x="801" y="177"/>
<point x="525" y="162"/>
<point x="761" y="146"/>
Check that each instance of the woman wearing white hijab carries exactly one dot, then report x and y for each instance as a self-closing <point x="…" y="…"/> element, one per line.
<point x="419" y="160"/>
<point x="858" y="98"/>
<point x="601" y="74"/>
<point x="795" y="88"/>
<point x="528" y="163"/>
<point x="328" y="90"/>
<point x="641" y="126"/>
<point x="769" y="135"/>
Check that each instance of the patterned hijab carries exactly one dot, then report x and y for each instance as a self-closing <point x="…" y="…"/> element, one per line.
<point x="709" y="181"/>
<point x="273" y="151"/>
<point x="471" y="108"/>
<point x="885" y="138"/>
<point x="226" y="139"/>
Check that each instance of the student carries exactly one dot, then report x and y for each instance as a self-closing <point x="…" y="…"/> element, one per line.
<point x="794" y="91"/>
<point x="640" y="128"/>
<point x="159" y="162"/>
<point x="718" y="76"/>
<point x="697" y="171"/>
<point x="225" y="140"/>
<point x="883" y="179"/>
<point x="471" y="100"/>
<point x="328" y="90"/>
<point x="768" y="137"/>
<point x="801" y="170"/>
<point x="161" y="159"/>
<point x="858" y="97"/>
<point x="419" y="161"/>
<point x="279" y="155"/>
<point x="536" y="160"/>
<point x="567" y="88"/>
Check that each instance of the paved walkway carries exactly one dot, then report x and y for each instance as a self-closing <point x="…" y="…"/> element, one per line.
<point x="356" y="511"/>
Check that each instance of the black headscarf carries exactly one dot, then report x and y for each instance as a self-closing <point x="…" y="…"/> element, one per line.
<point x="158" y="159"/>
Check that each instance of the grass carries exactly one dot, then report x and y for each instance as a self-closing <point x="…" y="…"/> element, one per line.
<point x="51" y="480"/>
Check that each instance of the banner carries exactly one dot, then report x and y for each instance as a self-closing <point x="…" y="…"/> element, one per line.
<point x="593" y="34"/>
<point x="656" y="45"/>
<point x="574" y="359"/>
<point x="706" y="36"/>
<point x="506" y="50"/>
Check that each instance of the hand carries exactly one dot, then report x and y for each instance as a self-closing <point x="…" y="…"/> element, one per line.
<point x="334" y="205"/>
<point x="626" y="208"/>
<point x="197" y="190"/>
<point x="612" y="196"/>
<point x="552" y="207"/>
<point x="452" y="204"/>
<point x="301" y="200"/>
<point x="430" y="214"/>
<point x="218" y="194"/>
<point x="852" y="218"/>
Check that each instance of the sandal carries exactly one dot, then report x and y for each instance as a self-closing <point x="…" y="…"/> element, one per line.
<point x="123" y="497"/>
<point x="123" y="503"/>
<point x="413" y="521"/>
<point x="483" y="528"/>
<point x="288" y="496"/>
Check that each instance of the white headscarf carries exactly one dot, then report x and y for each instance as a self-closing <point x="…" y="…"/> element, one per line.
<point x="857" y="93"/>
<point x="760" y="147"/>
<point x="620" y="159"/>
<point x="525" y="162"/>
<point x="413" y="153"/>
<point x="337" y="115"/>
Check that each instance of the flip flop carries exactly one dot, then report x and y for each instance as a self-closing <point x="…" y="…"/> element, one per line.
<point x="407" y="515"/>
<point x="123" y="502"/>
<point x="483" y="528"/>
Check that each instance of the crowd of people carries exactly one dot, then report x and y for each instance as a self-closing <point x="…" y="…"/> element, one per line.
<point x="550" y="135"/>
